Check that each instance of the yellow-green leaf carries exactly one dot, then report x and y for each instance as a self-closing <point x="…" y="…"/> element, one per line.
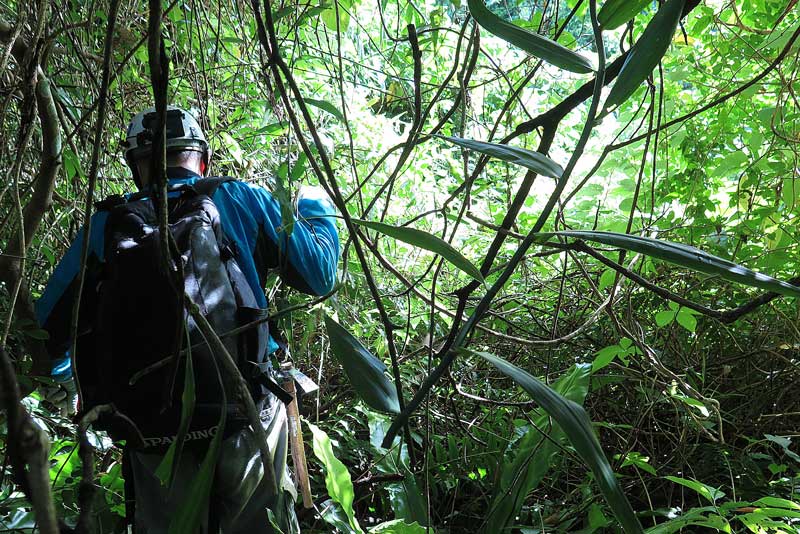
<point x="337" y="478"/>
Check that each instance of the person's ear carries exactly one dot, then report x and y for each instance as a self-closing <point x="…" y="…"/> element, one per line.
<point x="203" y="167"/>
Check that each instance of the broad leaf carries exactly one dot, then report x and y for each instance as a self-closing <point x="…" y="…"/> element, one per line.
<point x="572" y="419"/>
<point x="426" y="241"/>
<point x="777" y="502"/>
<point x="533" y="43"/>
<point x="529" y="159"/>
<point x="332" y="513"/>
<point x="615" y="13"/>
<point x="337" y="478"/>
<point x="367" y="373"/>
<point x="646" y="52"/>
<point x="709" y="492"/>
<point x="325" y="106"/>
<point x="685" y="256"/>
<point x="701" y="517"/>
<point x="398" y="526"/>
<point x="407" y="500"/>
<point x="531" y="457"/>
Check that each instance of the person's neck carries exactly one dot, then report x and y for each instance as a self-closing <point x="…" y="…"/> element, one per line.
<point x="172" y="173"/>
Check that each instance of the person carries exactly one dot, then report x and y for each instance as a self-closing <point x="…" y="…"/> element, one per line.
<point x="250" y="219"/>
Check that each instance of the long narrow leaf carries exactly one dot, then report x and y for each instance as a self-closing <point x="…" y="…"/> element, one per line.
<point x="646" y="52"/>
<point x="533" y="43"/>
<point x="575" y="423"/>
<point x="169" y="464"/>
<point x="366" y="373"/>
<point x="426" y="241"/>
<point x="531" y="457"/>
<point x="337" y="478"/>
<point x="685" y="256"/>
<point x="325" y="106"/>
<point x="529" y="159"/>
<point x="615" y="13"/>
<point x="187" y="517"/>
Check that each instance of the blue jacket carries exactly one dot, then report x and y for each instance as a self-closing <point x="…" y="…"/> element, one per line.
<point x="250" y="217"/>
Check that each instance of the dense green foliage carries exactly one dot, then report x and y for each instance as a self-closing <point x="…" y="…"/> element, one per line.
<point x="455" y="251"/>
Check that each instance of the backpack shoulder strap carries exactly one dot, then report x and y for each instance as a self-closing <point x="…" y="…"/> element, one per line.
<point x="209" y="186"/>
<point x="109" y="203"/>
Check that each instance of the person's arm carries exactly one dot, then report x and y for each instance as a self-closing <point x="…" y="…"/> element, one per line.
<point x="54" y="308"/>
<point x="308" y="257"/>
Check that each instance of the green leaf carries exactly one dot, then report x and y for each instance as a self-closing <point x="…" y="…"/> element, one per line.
<point x="332" y="513"/>
<point x="529" y="159"/>
<point x="615" y="13"/>
<point x="337" y="478"/>
<point x="366" y="373"/>
<point x="784" y="443"/>
<point x="284" y="198"/>
<point x="605" y="356"/>
<point x="328" y="16"/>
<point x="408" y="502"/>
<point x="531" y="457"/>
<point x="169" y="464"/>
<point x="663" y="318"/>
<point x="398" y="526"/>
<point x="273" y="522"/>
<point x="709" y="492"/>
<point x="533" y="43"/>
<point x="693" y="517"/>
<point x="325" y="106"/>
<point x="689" y="401"/>
<point x="687" y="320"/>
<point x="685" y="256"/>
<point x="776" y="502"/>
<point x="186" y="519"/>
<point x="606" y="279"/>
<point x="233" y="147"/>
<point x="37" y="333"/>
<point x="424" y="240"/>
<point x="646" y="52"/>
<point x="573" y="420"/>
<point x="637" y="460"/>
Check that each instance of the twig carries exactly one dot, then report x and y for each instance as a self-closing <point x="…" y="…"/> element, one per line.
<point x="229" y="365"/>
<point x="236" y="331"/>
<point x="450" y="351"/>
<point x="93" y="170"/>
<point x="724" y="98"/>
<point x="325" y="174"/>
<point x="28" y="449"/>
<point x="10" y="265"/>
<point x="87" y="487"/>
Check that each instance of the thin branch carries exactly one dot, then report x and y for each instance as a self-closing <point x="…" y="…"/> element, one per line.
<point x="94" y="169"/>
<point x="450" y="351"/>
<point x="28" y="449"/>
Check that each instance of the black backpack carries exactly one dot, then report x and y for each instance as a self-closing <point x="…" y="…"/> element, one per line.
<point x="140" y="321"/>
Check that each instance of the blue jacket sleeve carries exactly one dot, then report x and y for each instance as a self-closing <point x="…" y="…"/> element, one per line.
<point x="54" y="308"/>
<point x="307" y="258"/>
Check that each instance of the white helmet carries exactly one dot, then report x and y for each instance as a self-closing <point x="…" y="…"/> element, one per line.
<point x="183" y="133"/>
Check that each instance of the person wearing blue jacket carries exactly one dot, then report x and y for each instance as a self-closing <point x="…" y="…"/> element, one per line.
<point x="250" y="218"/>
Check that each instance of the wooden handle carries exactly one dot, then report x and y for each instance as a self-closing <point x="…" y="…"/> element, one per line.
<point x="296" y="440"/>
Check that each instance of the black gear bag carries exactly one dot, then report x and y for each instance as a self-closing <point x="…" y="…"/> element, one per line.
<point x="140" y="321"/>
